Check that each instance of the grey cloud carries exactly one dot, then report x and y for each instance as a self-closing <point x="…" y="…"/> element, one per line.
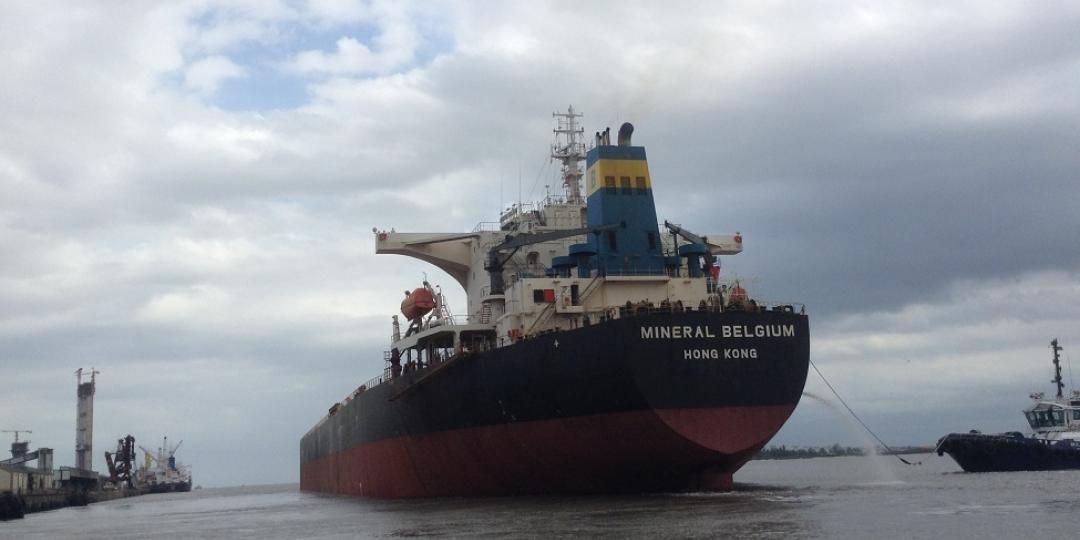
<point x="924" y="163"/>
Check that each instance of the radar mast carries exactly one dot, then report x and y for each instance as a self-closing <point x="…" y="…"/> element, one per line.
<point x="1057" y="368"/>
<point x="569" y="149"/>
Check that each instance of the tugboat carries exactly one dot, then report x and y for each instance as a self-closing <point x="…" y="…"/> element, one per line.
<point x="1054" y="443"/>
<point x="596" y="354"/>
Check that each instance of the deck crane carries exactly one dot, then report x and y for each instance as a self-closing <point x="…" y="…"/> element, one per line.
<point x="165" y="456"/>
<point x="172" y="453"/>
<point x="148" y="457"/>
<point x="676" y="231"/>
<point x="496" y="259"/>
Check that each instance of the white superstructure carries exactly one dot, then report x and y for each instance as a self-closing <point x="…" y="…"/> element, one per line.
<point x="1058" y="418"/>
<point x="528" y="273"/>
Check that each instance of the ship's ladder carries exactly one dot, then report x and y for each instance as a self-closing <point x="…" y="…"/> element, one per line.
<point x="589" y="289"/>
<point x="541" y="319"/>
<point x="485" y="313"/>
<point x="549" y="310"/>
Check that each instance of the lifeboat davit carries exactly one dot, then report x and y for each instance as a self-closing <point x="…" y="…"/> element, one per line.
<point x="417" y="304"/>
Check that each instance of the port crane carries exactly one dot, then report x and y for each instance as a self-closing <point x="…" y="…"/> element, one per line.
<point x="17" y="432"/>
<point x="120" y="462"/>
<point x="19" y="449"/>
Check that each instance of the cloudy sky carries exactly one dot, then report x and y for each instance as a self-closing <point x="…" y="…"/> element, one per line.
<point x="187" y="191"/>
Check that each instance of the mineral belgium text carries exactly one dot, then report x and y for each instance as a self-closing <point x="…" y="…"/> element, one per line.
<point x="726" y="330"/>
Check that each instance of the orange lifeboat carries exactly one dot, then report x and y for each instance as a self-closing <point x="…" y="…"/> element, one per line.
<point x="417" y="304"/>
<point x="737" y="296"/>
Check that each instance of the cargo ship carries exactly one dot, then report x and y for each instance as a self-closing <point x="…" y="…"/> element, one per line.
<point x="596" y="354"/>
<point x="1053" y="444"/>
<point x="161" y="472"/>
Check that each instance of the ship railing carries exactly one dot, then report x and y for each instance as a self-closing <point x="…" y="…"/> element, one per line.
<point x="769" y="305"/>
<point x="514" y="211"/>
<point x="373" y="382"/>
<point x="527" y="271"/>
<point x="634" y="271"/>
<point x="487" y="226"/>
<point x="445" y="321"/>
<point x="541" y="271"/>
<point x="647" y="308"/>
<point x="450" y="320"/>
<point x="640" y="271"/>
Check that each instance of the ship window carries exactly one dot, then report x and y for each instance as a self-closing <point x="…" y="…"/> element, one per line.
<point x="1059" y="417"/>
<point x="639" y="185"/>
<point x="1076" y="414"/>
<point x="609" y="184"/>
<point x="538" y="296"/>
<point x="624" y="183"/>
<point x="1032" y="420"/>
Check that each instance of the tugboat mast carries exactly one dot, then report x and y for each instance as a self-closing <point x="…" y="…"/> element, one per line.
<point x="569" y="150"/>
<point x="1057" y="368"/>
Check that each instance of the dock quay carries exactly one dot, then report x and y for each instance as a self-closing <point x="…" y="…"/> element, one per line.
<point x="29" y="482"/>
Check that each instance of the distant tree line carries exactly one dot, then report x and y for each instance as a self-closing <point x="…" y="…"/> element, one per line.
<point x="799" y="452"/>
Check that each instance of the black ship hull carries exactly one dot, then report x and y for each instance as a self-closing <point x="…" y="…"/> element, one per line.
<point x="169" y="487"/>
<point x="654" y="402"/>
<point x="978" y="452"/>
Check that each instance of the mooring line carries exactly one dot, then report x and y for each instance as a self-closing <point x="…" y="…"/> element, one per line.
<point x="861" y="423"/>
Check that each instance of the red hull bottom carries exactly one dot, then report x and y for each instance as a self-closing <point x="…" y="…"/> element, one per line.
<point x="641" y="451"/>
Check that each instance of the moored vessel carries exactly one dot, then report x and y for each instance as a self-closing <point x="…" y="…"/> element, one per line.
<point x="161" y="472"/>
<point x="1053" y="444"/>
<point x="597" y="355"/>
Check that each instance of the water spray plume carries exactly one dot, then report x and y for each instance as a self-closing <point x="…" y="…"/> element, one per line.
<point x="853" y="415"/>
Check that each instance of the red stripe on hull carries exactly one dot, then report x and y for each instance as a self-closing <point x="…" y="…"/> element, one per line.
<point x="663" y="450"/>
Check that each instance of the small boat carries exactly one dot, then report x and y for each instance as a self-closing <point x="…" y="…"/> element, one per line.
<point x="1054" y="443"/>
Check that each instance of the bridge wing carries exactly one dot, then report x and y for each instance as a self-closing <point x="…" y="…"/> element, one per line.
<point x="450" y="252"/>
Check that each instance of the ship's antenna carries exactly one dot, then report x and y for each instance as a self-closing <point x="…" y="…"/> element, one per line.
<point x="569" y="149"/>
<point x="1057" y="367"/>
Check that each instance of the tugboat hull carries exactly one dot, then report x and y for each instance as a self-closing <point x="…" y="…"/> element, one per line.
<point x="977" y="452"/>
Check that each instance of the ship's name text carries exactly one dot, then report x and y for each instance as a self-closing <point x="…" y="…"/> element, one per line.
<point x="726" y="330"/>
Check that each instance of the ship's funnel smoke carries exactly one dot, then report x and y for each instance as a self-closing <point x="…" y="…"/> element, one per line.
<point x="625" y="132"/>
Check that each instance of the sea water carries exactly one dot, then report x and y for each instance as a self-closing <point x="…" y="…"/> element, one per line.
<point x="837" y="497"/>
